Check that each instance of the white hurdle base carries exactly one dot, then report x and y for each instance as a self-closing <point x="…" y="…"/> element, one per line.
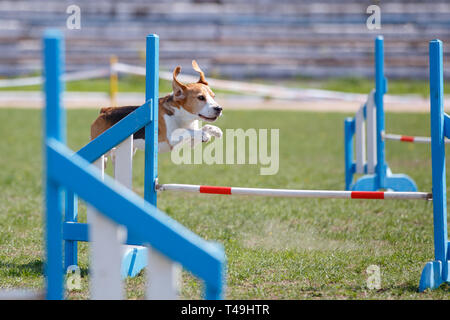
<point x="134" y="259"/>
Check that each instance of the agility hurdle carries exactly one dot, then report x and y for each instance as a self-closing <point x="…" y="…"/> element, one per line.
<point x="113" y="204"/>
<point x="367" y="132"/>
<point x="435" y="272"/>
<point x="65" y="170"/>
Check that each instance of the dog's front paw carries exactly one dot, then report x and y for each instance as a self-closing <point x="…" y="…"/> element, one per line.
<point x="212" y="130"/>
<point x="205" y="136"/>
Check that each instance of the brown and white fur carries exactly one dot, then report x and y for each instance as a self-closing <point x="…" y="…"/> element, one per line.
<point x="182" y="109"/>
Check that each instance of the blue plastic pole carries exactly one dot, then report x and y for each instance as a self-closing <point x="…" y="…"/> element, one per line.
<point x="71" y="215"/>
<point x="151" y="129"/>
<point x="54" y="124"/>
<point x="213" y="293"/>
<point x="348" y="145"/>
<point x="380" y="89"/>
<point x="436" y="272"/>
<point x="438" y="155"/>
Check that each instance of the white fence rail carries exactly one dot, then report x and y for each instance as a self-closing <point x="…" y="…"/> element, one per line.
<point x="262" y="90"/>
<point x="107" y="249"/>
<point x="366" y="137"/>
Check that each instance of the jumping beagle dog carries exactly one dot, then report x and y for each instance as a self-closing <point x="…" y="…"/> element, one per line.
<point x="182" y="109"/>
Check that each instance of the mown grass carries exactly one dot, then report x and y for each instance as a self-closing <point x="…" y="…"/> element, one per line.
<point x="276" y="248"/>
<point x="398" y="86"/>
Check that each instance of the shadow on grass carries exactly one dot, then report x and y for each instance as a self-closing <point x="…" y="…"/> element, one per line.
<point x="32" y="268"/>
<point x="414" y="288"/>
<point x="393" y="291"/>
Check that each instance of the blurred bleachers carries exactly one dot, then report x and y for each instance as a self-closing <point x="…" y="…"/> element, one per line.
<point x="229" y="38"/>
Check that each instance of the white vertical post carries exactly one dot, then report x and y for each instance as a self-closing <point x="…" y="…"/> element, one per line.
<point x="123" y="164"/>
<point x="123" y="173"/>
<point x="163" y="277"/>
<point x="360" y="141"/>
<point x="371" y="133"/>
<point x="106" y="254"/>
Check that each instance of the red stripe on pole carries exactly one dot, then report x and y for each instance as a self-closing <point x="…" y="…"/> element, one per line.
<point x="367" y="195"/>
<point x="407" y="139"/>
<point x="216" y="190"/>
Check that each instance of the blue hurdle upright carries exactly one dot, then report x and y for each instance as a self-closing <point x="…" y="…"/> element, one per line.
<point x="437" y="272"/>
<point x="65" y="171"/>
<point x="375" y="170"/>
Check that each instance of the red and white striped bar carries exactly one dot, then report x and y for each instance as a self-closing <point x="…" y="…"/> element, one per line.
<point x="413" y="139"/>
<point x="295" y="193"/>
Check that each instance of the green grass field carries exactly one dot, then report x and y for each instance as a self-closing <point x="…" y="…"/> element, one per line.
<point x="276" y="248"/>
<point x="352" y="84"/>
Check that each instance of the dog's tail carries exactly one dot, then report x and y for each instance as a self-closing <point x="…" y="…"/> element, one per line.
<point x="105" y="109"/>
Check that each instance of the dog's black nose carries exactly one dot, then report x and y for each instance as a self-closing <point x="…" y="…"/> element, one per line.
<point x="218" y="109"/>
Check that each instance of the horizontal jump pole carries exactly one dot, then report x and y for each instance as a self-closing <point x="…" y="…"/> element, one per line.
<point x="413" y="139"/>
<point x="329" y="194"/>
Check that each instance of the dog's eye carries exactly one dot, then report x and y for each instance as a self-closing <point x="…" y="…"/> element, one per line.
<point x="201" y="98"/>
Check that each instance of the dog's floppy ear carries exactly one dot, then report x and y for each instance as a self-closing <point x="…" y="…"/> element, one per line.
<point x="202" y="75"/>
<point x="178" y="87"/>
